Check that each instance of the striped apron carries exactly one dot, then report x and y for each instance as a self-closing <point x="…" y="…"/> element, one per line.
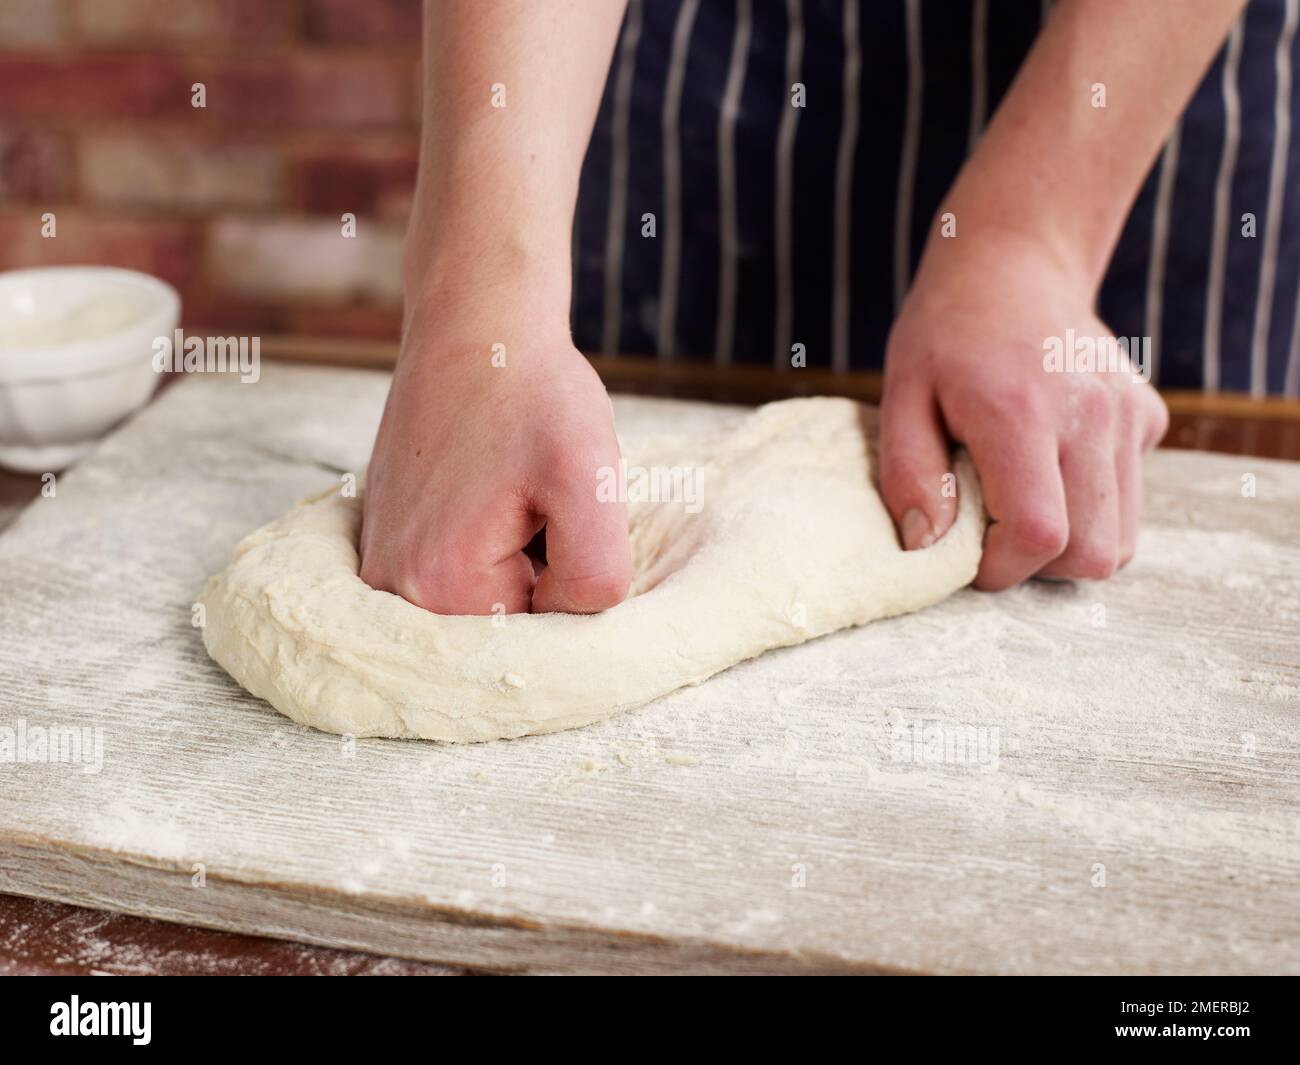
<point x="717" y="221"/>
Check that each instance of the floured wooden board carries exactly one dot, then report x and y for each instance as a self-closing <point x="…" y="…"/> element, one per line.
<point x="1119" y="791"/>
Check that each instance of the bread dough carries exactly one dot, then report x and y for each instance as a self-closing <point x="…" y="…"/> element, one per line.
<point x="789" y="540"/>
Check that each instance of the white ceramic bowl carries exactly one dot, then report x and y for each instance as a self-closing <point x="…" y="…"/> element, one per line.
<point x="76" y="357"/>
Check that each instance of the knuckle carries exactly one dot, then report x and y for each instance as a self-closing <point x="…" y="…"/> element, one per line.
<point x="579" y="471"/>
<point x="425" y="579"/>
<point x="430" y="591"/>
<point x="1024" y="405"/>
<point x="1096" y="406"/>
<point x="599" y="590"/>
<point x="1039" y="535"/>
<point x="573" y="459"/>
<point x="1159" y="416"/>
<point x="902" y="476"/>
<point x="375" y="572"/>
<point x="1091" y="562"/>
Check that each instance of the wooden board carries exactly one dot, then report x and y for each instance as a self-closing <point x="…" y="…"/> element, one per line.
<point x="1147" y="732"/>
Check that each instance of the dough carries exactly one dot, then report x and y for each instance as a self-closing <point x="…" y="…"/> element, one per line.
<point x="789" y="540"/>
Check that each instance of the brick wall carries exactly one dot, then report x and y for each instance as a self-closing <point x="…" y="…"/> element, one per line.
<point x="311" y="111"/>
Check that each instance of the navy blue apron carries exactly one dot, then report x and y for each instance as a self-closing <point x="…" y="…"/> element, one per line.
<point x="718" y="221"/>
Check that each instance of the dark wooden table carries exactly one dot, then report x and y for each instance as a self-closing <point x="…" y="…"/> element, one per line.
<point x="50" y="939"/>
<point x="43" y="938"/>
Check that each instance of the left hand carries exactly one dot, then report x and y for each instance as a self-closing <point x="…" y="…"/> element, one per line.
<point x="1058" y="453"/>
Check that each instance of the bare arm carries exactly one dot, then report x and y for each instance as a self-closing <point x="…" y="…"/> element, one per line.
<point x="1055" y="166"/>
<point x="498" y="184"/>
<point x="495" y="424"/>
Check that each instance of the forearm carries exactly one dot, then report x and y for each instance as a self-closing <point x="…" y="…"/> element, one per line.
<point x="1055" y="169"/>
<point x="497" y="184"/>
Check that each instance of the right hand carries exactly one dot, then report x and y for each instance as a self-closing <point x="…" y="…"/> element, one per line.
<point x="472" y="460"/>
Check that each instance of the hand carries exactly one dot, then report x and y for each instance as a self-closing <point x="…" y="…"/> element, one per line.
<point x="473" y="459"/>
<point x="1058" y="453"/>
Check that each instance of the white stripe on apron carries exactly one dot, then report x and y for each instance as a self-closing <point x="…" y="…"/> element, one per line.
<point x="617" y="222"/>
<point x="1291" y="384"/>
<point x="575" y="246"/>
<point x="729" y="227"/>
<point x="848" y="147"/>
<point x="907" y="160"/>
<point x="1276" y="191"/>
<point x="979" y="72"/>
<point x="1155" y="308"/>
<point x="670" y="273"/>
<point x="784" y="196"/>
<point x="1222" y="205"/>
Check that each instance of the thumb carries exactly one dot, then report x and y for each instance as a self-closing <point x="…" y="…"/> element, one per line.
<point x="588" y="559"/>
<point x="913" y="461"/>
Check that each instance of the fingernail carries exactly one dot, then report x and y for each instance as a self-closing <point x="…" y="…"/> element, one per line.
<point x="917" y="532"/>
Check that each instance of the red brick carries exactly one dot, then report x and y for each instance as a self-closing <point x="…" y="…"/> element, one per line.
<point x="299" y="90"/>
<point x="370" y="181"/>
<point x="177" y="173"/>
<point x="205" y="312"/>
<point x="92" y="87"/>
<point x="298" y="261"/>
<point x="311" y="90"/>
<point x="35" y="166"/>
<point x="358" y="323"/>
<point x="372" y="22"/>
<point x="34" y="23"/>
<point x="169" y="250"/>
<point x="203" y="24"/>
